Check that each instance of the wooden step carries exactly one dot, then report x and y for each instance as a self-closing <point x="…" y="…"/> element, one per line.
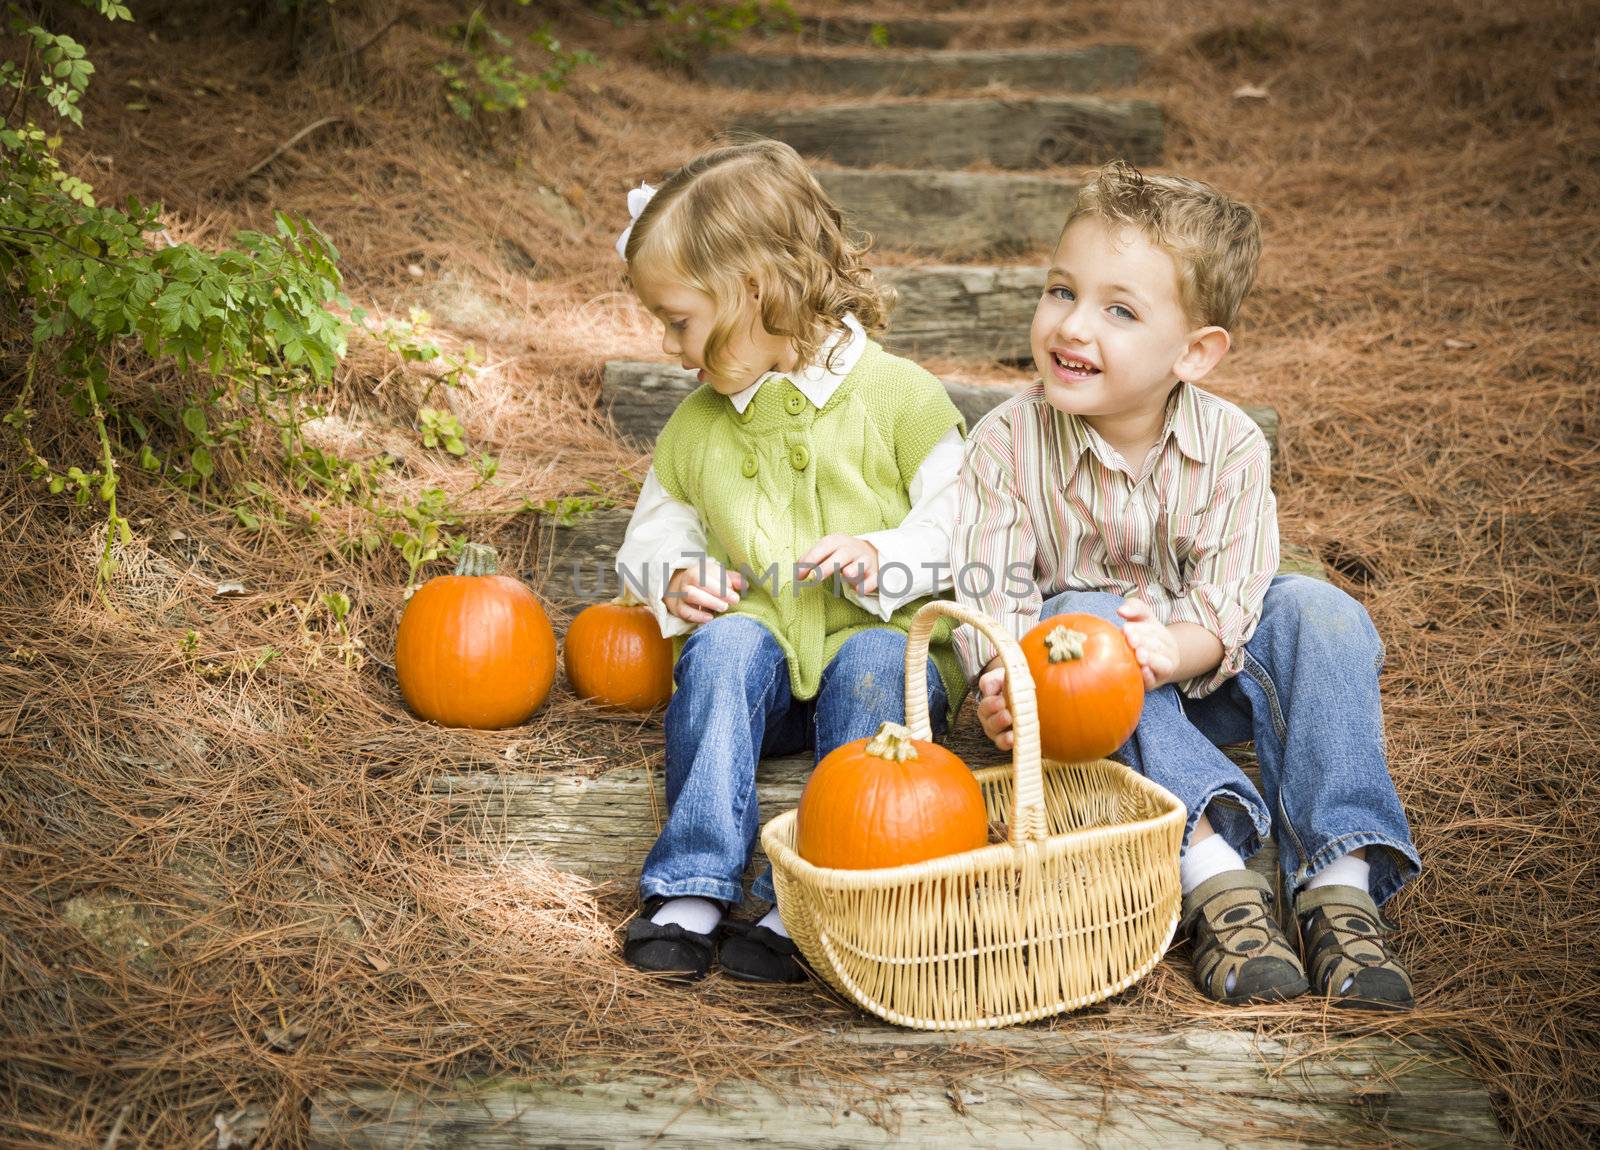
<point x="1191" y="1086"/>
<point x="917" y="73"/>
<point x="956" y="312"/>
<point x="601" y="828"/>
<point x="953" y="215"/>
<point x="1011" y="134"/>
<point x="641" y="395"/>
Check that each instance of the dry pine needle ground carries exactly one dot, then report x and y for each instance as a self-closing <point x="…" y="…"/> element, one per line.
<point x="225" y="884"/>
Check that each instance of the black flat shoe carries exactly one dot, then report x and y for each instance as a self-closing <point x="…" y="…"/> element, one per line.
<point x="753" y="953"/>
<point x="668" y="948"/>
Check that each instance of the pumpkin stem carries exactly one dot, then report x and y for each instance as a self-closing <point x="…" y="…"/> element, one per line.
<point x="477" y="559"/>
<point x="1064" y="644"/>
<point x="893" y="742"/>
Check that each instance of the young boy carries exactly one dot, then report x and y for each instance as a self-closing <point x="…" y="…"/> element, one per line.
<point x="1131" y="494"/>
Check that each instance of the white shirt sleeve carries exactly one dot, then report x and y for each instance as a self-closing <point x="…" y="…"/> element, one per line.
<point x="914" y="558"/>
<point x="663" y="536"/>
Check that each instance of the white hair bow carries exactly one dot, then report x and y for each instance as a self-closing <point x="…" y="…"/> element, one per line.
<point x="637" y="199"/>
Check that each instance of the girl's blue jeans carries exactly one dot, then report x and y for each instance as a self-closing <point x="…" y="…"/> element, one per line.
<point x="731" y="707"/>
<point x="1308" y="696"/>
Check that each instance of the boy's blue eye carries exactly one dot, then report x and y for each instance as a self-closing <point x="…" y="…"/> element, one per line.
<point x="1062" y="293"/>
<point x="1121" y="312"/>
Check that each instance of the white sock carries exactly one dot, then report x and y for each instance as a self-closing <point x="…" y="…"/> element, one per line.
<point x="700" y="915"/>
<point x="1346" y="870"/>
<point x="1206" y="858"/>
<point x="773" y="921"/>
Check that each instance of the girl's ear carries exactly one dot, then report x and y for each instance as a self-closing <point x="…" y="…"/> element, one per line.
<point x="1205" y="349"/>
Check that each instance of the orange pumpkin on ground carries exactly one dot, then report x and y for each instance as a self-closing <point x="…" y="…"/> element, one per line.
<point x="1088" y="683"/>
<point x="475" y="649"/>
<point x="616" y="654"/>
<point x="889" y="801"/>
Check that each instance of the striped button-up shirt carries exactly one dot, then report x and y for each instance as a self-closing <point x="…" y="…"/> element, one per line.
<point x="1047" y="505"/>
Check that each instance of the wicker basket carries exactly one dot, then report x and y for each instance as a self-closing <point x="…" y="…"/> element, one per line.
<point x="1078" y="904"/>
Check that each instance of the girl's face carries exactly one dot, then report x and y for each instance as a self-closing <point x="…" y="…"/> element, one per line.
<point x="688" y="314"/>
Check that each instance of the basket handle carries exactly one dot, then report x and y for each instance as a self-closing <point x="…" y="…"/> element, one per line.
<point x="1027" y="818"/>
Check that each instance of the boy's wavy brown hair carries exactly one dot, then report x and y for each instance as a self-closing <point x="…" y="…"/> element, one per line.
<point x="1214" y="240"/>
<point x="753" y="212"/>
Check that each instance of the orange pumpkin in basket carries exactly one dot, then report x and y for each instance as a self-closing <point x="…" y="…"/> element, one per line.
<point x="616" y="654"/>
<point x="475" y="649"/>
<point x="889" y="801"/>
<point x="1088" y="684"/>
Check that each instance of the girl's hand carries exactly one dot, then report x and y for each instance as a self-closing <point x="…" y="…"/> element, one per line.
<point x="698" y="594"/>
<point x="1152" y="643"/>
<point x="854" y="560"/>
<point x="993" y="715"/>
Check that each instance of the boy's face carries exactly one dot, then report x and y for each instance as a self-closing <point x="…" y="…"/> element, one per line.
<point x="1110" y="330"/>
<point x="687" y="315"/>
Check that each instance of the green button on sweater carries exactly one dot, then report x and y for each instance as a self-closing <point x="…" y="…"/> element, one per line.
<point x="771" y="481"/>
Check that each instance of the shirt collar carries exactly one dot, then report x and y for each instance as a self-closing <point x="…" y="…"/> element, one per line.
<point x="819" y="379"/>
<point x="1076" y="437"/>
<point x="1184" y="421"/>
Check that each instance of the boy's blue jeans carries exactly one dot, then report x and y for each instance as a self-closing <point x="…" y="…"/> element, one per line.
<point x="1308" y="696"/>
<point x="732" y="706"/>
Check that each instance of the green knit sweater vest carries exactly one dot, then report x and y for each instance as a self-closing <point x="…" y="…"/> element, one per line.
<point x="771" y="481"/>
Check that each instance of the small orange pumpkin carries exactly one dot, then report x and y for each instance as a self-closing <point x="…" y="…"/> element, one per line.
<point x="889" y="801"/>
<point x="1088" y="683"/>
<point x="475" y="649"/>
<point x="616" y="654"/>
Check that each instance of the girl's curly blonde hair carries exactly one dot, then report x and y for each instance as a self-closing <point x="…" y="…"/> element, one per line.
<point x="754" y="213"/>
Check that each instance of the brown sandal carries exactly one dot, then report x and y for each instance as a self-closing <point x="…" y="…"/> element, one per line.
<point x="1240" y="955"/>
<point x="1350" y="960"/>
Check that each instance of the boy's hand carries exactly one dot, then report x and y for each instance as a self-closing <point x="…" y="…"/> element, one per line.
<point x="854" y="560"/>
<point x="1153" y="644"/>
<point x="993" y="714"/>
<point x="698" y="594"/>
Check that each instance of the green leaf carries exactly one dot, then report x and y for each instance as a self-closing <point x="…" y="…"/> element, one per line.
<point x="194" y="419"/>
<point x="200" y="462"/>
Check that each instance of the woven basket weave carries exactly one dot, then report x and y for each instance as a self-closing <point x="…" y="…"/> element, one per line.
<point x="1080" y="902"/>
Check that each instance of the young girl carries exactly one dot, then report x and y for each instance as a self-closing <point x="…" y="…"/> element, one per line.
<point x="807" y="453"/>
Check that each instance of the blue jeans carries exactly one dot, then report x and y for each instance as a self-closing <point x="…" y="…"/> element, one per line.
<point x="1308" y="696"/>
<point x="732" y="706"/>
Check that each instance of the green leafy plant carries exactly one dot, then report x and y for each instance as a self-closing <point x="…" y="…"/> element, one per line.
<point x="335" y="612"/>
<point x="254" y="319"/>
<point x="686" y="32"/>
<point x="255" y="333"/>
<point x="407" y="341"/>
<point x="424" y="534"/>
<point x="570" y="509"/>
<point x="442" y="429"/>
<point x="490" y="81"/>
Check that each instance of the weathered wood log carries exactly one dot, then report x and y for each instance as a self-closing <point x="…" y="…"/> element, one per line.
<point x="579" y="564"/>
<point x="917" y="73"/>
<point x="641" y="395"/>
<point x="601" y="828"/>
<point x="953" y="215"/>
<point x="957" y="312"/>
<point x="1011" y="134"/>
<point x="1202" y="1087"/>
